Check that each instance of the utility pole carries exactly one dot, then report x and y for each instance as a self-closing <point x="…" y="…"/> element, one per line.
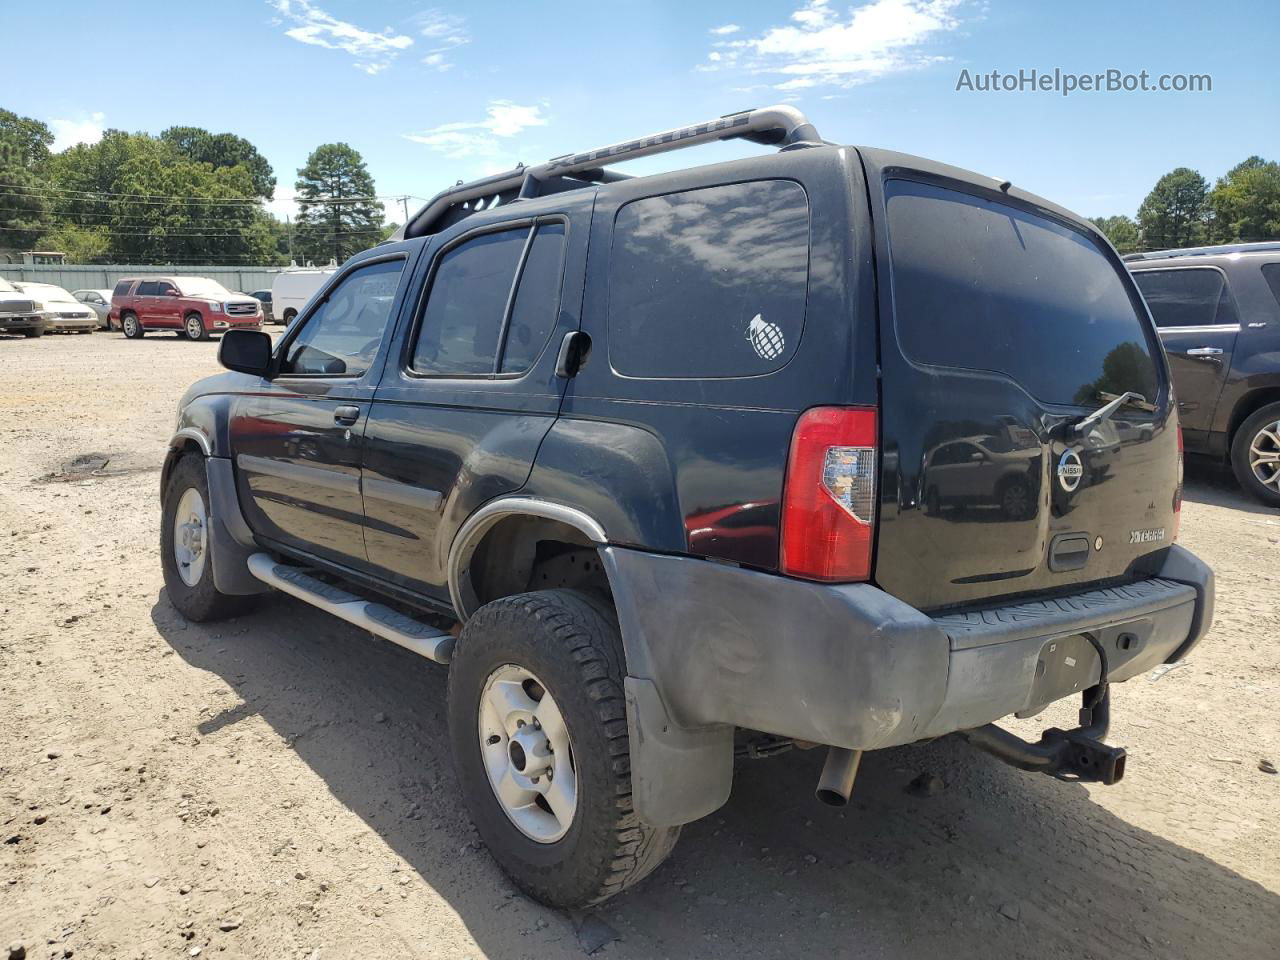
<point x="404" y="202"/>
<point x="288" y="224"/>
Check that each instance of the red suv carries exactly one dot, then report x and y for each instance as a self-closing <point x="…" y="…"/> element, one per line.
<point x="196" y="306"/>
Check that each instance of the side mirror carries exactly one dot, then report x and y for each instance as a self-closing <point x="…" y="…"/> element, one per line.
<point x="172" y="293"/>
<point x="246" y="351"/>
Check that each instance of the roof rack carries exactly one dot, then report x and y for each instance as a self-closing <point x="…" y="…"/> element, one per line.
<point x="780" y="126"/>
<point x="1205" y="251"/>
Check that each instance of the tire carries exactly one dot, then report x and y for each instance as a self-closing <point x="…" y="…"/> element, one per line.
<point x="192" y="590"/>
<point x="132" y="326"/>
<point x="193" y="326"/>
<point x="1259" y="435"/>
<point x="32" y="334"/>
<point x="289" y="315"/>
<point x="568" y="642"/>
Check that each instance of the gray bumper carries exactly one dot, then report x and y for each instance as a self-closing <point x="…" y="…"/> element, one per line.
<point x="712" y="647"/>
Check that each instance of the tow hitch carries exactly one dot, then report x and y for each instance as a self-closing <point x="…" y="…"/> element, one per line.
<point x="1077" y="754"/>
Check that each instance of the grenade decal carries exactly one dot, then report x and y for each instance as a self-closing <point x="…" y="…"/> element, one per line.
<point x="766" y="338"/>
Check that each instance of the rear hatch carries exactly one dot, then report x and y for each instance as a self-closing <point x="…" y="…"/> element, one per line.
<point x="1004" y="323"/>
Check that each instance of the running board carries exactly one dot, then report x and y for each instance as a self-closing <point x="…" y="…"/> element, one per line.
<point x="377" y="618"/>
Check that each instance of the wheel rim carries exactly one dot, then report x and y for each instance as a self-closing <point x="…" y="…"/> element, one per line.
<point x="1264" y="456"/>
<point x="190" y="536"/>
<point x="527" y="754"/>
<point x="195" y="327"/>
<point x="130" y="326"/>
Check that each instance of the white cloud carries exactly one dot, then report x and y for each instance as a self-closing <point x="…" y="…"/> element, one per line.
<point x="727" y="29"/>
<point x="373" y="50"/>
<point x="446" y="32"/>
<point x="480" y="138"/>
<point x="67" y="133"/>
<point x="822" y="46"/>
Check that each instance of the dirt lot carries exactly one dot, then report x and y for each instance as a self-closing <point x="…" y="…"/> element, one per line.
<point x="279" y="786"/>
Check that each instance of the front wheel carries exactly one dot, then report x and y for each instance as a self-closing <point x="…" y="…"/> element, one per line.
<point x="195" y="328"/>
<point x="33" y="332"/>
<point x="538" y="725"/>
<point x="186" y="544"/>
<point x="132" y="326"/>
<point x="1255" y="454"/>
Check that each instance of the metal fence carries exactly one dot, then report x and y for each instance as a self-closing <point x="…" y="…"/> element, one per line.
<point x="104" y="276"/>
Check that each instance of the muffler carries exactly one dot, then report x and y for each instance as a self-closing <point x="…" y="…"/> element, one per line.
<point x="838" y="773"/>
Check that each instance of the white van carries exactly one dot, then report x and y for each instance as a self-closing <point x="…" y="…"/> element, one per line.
<point x="292" y="289"/>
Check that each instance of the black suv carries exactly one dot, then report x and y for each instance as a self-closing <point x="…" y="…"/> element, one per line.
<point x="827" y="446"/>
<point x="1218" y="313"/>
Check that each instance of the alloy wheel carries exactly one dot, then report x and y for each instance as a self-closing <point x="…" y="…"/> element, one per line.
<point x="1264" y="455"/>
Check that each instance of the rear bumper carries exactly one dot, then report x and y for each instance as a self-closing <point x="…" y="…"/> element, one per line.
<point x="713" y="647"/>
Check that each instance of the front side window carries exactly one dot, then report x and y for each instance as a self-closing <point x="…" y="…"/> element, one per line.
<point x="709" y="283"/>
<point x="1195" y="297"/>
<point x="1271" y="273"/>
<point x="165" y="289"/>
<point x="471" y="304"/>
<point x="342" y="335"/>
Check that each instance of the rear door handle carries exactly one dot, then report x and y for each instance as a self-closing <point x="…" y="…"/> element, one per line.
<point x="346" y="415"/>
<point x="1204" y="352"/>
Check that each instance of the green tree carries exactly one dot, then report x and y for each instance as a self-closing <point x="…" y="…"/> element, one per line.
<point x="25" y="208"/>
<point x="337" y="212"/>
<point x="1246" y="202"/>
<point x="1174" y="213"/>
<point x="1121" y="231"/>
<point x="223" y="150"/>
<point x="80" y="244"/>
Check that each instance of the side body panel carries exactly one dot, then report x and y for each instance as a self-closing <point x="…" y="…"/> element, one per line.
<point x="1254" y="377"/>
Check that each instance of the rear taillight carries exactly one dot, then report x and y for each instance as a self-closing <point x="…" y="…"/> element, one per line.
<point x="829" y="500"/>
<point x="1177" y="490"/>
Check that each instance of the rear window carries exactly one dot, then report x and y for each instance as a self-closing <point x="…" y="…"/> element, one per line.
<point x="709" y="283"/>
<point x="1271" y="272"/>
<point x="1192" y="297"/>
<point x="987" y="286"/>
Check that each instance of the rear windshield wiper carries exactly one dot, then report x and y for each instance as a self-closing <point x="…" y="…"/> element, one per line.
<point x="1114" y="404"/>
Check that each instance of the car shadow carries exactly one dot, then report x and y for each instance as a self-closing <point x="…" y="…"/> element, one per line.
<point x="996" y="863"/>
<point x="1211" y="481"/>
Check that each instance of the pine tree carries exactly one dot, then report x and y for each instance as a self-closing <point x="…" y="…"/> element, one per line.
<point x="337" y="212"/>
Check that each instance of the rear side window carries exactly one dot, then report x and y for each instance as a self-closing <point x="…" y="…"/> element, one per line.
<point x="1195" y="297"/>
<point x="988" y="286"/>
<point x="467" y="309"/>
<point x="148" y="288"/>
<point x="122" y="288"/>
<point x="1271" y="272"/>
<point x="709" y="283"/>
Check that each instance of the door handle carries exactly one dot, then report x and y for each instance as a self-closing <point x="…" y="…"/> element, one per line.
<point x="1204" y="352"/>
<point x="346" y="416"/>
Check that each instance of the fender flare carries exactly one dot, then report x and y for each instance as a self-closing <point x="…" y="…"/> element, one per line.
<point x="469" y="535"/>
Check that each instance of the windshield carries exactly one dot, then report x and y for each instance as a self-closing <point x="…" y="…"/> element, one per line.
<point x="202" y="287"/>
<point x="6" y="286"/>
<point x="989" y="286"/>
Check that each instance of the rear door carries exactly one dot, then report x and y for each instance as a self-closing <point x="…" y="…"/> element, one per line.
<point x="470" y="389"/>
<point x="297" y="439"/>
<point x="1196" y="315"/>
<point x="144" y="302"/>
<point x="1003" y="323"/>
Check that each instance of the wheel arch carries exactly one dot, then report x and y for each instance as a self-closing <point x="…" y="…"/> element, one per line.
<point x="516" y="526"/>
<point x="1247" y="406"/>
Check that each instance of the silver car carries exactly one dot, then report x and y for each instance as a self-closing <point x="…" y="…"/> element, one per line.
<point x="63" y="312"/>
<point x="99" y="301"/>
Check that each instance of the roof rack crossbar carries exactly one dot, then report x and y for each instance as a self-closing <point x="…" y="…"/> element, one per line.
<point x="780" y="126"/>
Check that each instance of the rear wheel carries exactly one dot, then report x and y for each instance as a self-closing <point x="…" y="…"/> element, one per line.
<point x="132" y="326"/>
<point x="289" y="315"/>
<point x="539" y="731"/>
<point x="1255" y="454"/>
<point x="185" y="546"/>
<point x="194" y="326"/>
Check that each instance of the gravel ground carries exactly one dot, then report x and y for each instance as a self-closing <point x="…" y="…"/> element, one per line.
<point x="279" y="786"/>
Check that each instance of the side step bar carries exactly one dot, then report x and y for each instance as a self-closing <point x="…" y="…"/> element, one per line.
<point x="378" y="619"/>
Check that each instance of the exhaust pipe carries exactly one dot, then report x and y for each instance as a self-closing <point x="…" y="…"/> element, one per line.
<point x="836" y="782"/>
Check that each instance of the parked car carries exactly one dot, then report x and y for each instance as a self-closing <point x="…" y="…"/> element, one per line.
<point x="292" y="290"/>
<point x="99" y="301"/>
<point x="194" y="306"/>
<point x="19" y="312"/>
<point x="535" y="418"/>
<point x="64" y="313"/>
<point x="1218" y="313"/>
<point x="264" y="298"/>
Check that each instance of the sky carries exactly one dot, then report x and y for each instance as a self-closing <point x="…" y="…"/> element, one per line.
<point x="431" y="93"/>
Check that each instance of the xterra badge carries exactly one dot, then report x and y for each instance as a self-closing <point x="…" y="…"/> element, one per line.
<point x="1070" y="470"/>
<point x="1146" y="536"/>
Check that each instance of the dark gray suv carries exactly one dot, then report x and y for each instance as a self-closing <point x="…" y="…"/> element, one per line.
<point x="1218" y="313"/>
